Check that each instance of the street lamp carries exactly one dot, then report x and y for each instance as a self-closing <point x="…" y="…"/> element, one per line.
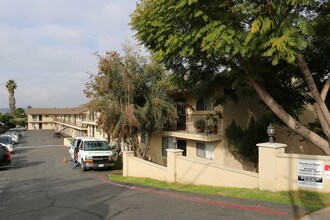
<point x="271" y="133"/>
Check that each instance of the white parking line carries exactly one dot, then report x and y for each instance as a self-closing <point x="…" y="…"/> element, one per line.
<point x="42" y="146"/>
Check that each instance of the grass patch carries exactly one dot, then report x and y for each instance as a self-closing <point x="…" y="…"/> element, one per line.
<point x="311" y="200"/>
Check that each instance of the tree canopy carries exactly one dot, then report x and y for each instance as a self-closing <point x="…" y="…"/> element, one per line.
<point x="269" y="46"/>
<point x="131" y="94"/>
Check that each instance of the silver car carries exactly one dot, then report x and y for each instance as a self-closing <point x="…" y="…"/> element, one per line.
<point x="7" y="142"/>
<point x="14" y="137"/>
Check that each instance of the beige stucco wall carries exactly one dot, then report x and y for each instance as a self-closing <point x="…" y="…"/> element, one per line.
<point x="145" y="169"/>
<point x="190" y="171"/>
<point x="47" y="122"/>
<point x="287" y="172"/>
<point x="66" y="142"/>
<point x="296" y="143"/>
<point x="155" y="150"/>
<point x="192" y="152"/>
<point x="99" y="133"/>
<point x="222" y="155"/>
<point x="278" y="170"/>
<point x="241" y="112"/>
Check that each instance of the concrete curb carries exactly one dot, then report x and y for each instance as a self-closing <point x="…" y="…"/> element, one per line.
<point x="323" y="214"/>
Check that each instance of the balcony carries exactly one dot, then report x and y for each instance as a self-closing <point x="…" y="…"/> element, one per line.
<point x="201" y="127"/>
<point x="71" y="123"/>
<point x="89" y="121"/>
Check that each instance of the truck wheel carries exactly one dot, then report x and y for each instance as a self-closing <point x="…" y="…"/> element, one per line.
<point x="83" y="165"/>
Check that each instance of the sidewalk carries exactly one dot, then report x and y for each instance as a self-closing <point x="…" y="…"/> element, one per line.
<point x="323" y="214"/>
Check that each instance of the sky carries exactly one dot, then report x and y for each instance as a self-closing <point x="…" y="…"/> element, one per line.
<point x="48" y="47"/>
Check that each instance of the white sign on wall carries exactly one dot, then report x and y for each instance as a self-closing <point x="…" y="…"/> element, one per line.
<point x="310" y="173"/>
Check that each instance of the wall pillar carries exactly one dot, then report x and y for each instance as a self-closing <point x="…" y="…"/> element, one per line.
<point x="268" y="165"/>
<point x="126" y="156"/>
<point x="171" y="164"/>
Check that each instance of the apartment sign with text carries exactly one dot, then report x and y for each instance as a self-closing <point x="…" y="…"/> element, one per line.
<point x="310" y="173"/>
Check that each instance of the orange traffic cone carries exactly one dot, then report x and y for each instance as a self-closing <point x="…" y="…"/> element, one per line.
<point x="64" y="160"/>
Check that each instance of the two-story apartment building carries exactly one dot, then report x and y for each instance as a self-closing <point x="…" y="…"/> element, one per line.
<point x="199" y="130"/>
<point x="210" y="144"/>
<point x="76" y="121"/>
<point x="207" y="143"/>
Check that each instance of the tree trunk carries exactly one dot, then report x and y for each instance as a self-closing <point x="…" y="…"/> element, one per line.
<point x="11" y="103"/>
<point x="285" y="117"/>
<point x="322" y="120"/>
<point x="313" y="89"/>
<point x="325" y="89"/>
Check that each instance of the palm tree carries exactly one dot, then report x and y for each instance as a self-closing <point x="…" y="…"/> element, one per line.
<point x="11" y="86"/>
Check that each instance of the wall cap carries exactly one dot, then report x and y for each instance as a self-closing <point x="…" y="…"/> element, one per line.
<point x="272" y="145"/>
<point x="304" y="156"/>
<point x="127" y="152"/>
<point x="174" y="150"/>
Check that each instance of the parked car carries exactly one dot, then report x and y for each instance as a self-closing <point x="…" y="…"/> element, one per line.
<point x="92" y="153"/>
<point x="18" y="130"/>
<point x="13" y="132"/>
<point x="8" y="142"/>
<point x="5" y="157"/>
<point x="21" y="128"/>
<point x="14" y="137"/>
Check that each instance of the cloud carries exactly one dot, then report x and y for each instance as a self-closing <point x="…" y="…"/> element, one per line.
<point x="48" y="47"/>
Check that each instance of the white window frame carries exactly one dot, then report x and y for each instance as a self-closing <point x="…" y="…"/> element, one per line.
<point x="208" y="104"/>
<point x="205" y="150"/>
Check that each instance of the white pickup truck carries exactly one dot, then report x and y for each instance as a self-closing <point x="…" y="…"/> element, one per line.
<point x="92" y="152"/>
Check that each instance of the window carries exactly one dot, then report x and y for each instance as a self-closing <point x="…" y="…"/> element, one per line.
<point x="96" y="146"/>
<point x="205" y="150"/>
<point x="144" y="138"/>
<point x="204" y="104"/>
<point x="182" y="145"/>
<point x="167" y="143"/>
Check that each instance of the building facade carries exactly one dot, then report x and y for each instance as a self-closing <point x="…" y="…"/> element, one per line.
<point x="76" y="122"/>
<point x="199" y="129"/>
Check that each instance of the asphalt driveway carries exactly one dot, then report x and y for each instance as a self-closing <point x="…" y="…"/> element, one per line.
<point x="39" y="185"/>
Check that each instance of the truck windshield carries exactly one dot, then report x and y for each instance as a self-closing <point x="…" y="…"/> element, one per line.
<point x="96" y="145"/>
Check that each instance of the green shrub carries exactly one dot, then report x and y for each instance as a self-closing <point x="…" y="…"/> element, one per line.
<point x="243" y="141"/>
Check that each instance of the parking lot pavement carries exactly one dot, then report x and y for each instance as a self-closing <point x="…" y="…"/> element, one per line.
<point x="44" y="138"/>
<point x="32" y="138"/>
<point x="40" y="137"/>
<point x="5" y="173"/>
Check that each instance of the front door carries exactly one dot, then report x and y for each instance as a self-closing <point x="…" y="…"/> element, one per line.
<point x="182" y="145"/>
<point x="40" y="126"/>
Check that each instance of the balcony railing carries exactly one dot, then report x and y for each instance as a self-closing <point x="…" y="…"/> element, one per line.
<point x="197" y="123"/>
<point x="69" y="122"/>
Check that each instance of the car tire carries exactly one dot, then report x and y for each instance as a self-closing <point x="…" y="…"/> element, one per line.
<point x="83" y="165"/>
